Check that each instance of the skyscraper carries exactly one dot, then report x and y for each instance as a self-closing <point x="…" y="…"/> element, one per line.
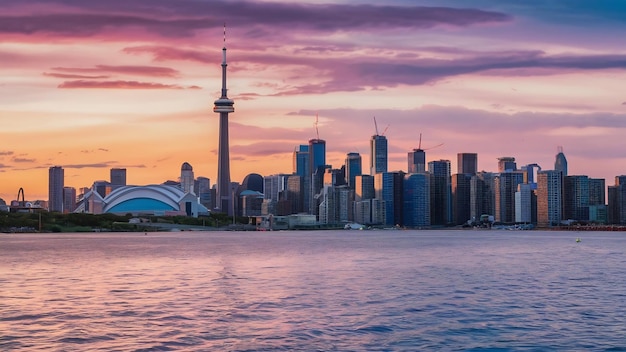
<point x="416" y="161"/>
<point x="549" y="197"/>
<point x="378" y="154"/>
<point x="505" y="187"/>
<point x="416" y="200"/>
<point x="440" y="188"/>
<point x="467" y="163"/>
<point x="461" y="194"/>
<point x="353" y="168"/>
<point x="301" y="160"/>
<point x="223" y="106"/>
<point x="560" y="164"/>
<point x="317" y="163"/>
<point x="118" y="177"/>
<point x="187" y="178"/>
<point x="56" y="181"/>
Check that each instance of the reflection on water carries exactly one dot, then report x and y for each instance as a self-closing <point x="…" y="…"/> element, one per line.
<point x="329" y="290"/>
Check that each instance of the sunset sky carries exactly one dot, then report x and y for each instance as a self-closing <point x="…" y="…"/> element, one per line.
<point x="92" y="85"/>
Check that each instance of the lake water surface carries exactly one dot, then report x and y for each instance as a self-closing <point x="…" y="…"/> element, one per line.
<point x="317" y="290"/>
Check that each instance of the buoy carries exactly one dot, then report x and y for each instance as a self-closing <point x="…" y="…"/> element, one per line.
<point x="578" y="240"/>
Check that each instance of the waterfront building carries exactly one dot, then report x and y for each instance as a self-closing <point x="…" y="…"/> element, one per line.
<point x="560" y="164"/>
<point x="353" y="168"/>
<point x="504" y="191"/>
<point x="388" y="187"/>
<point x="525" y="204"/>
<point x="461" y="194"/>
<point x="251" y="203"/>
<point x="440" y="189"/>
<point x="416" y="161"/>
<point x="467" y="163"/>
<point x="416" y="200"/>
<point x="158" y="200"/>
<point x="482" y="195"/>
<point x="69" y="199"/>
<point x="378" y="154"/>
<point x="56" y="179"/>
<point x="224" y="106"/>
<point x="549" y="198"/>
<point x="576" y="198"/>
<point x="617" y="201"/>
<point x="187" y="178"/>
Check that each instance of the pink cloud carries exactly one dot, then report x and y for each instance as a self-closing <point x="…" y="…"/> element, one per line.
<point x="119" y="85"/>
<point x="150" y="71"/>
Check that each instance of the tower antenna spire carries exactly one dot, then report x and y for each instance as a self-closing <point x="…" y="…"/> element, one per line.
<point x="316" y="129"/>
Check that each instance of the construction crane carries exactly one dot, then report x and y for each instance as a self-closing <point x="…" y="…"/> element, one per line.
<point x="376" y="128"/>
<point x="419" y="147"/>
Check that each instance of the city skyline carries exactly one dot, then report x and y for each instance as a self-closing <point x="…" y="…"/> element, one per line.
<point x="496" y="79"/>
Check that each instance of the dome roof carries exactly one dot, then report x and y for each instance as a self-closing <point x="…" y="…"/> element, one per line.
<point x="130" y="199"/>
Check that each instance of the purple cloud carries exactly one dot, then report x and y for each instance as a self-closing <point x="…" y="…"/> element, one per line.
<point x="183" y="18"/>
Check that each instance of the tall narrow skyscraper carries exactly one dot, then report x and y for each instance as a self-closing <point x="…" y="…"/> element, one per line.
<point x="353" y="168"/>
<point x="378" y="154"/>
<point x="560" y="164"/>
<point x="223" y="106"/>
<point x="56" y="177"/>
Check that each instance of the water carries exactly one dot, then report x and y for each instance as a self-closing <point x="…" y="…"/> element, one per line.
<point x="325" y="291"/>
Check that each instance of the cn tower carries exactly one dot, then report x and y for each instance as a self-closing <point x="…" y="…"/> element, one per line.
<point x="223" y="106"/>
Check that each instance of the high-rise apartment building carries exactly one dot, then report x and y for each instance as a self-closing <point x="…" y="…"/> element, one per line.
<point x="353" y="168"/>
<point x="389" y="187"/>
<point x="576" y="197"/>
<point x="440" y="189"/>
<point x="467" y="163"/>
<point x="56" y="182"/>
<point x="416" y="200"/>
<point x="482" y="195"/>
<point x="504" y="191"/>
<point x="525" y="204"/>
<point x="461" y="194"/>
<point x="549" y="198"/>
<point x="378" y="154"/>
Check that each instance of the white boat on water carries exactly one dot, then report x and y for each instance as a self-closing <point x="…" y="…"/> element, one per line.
<point x="354" y="226"/>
